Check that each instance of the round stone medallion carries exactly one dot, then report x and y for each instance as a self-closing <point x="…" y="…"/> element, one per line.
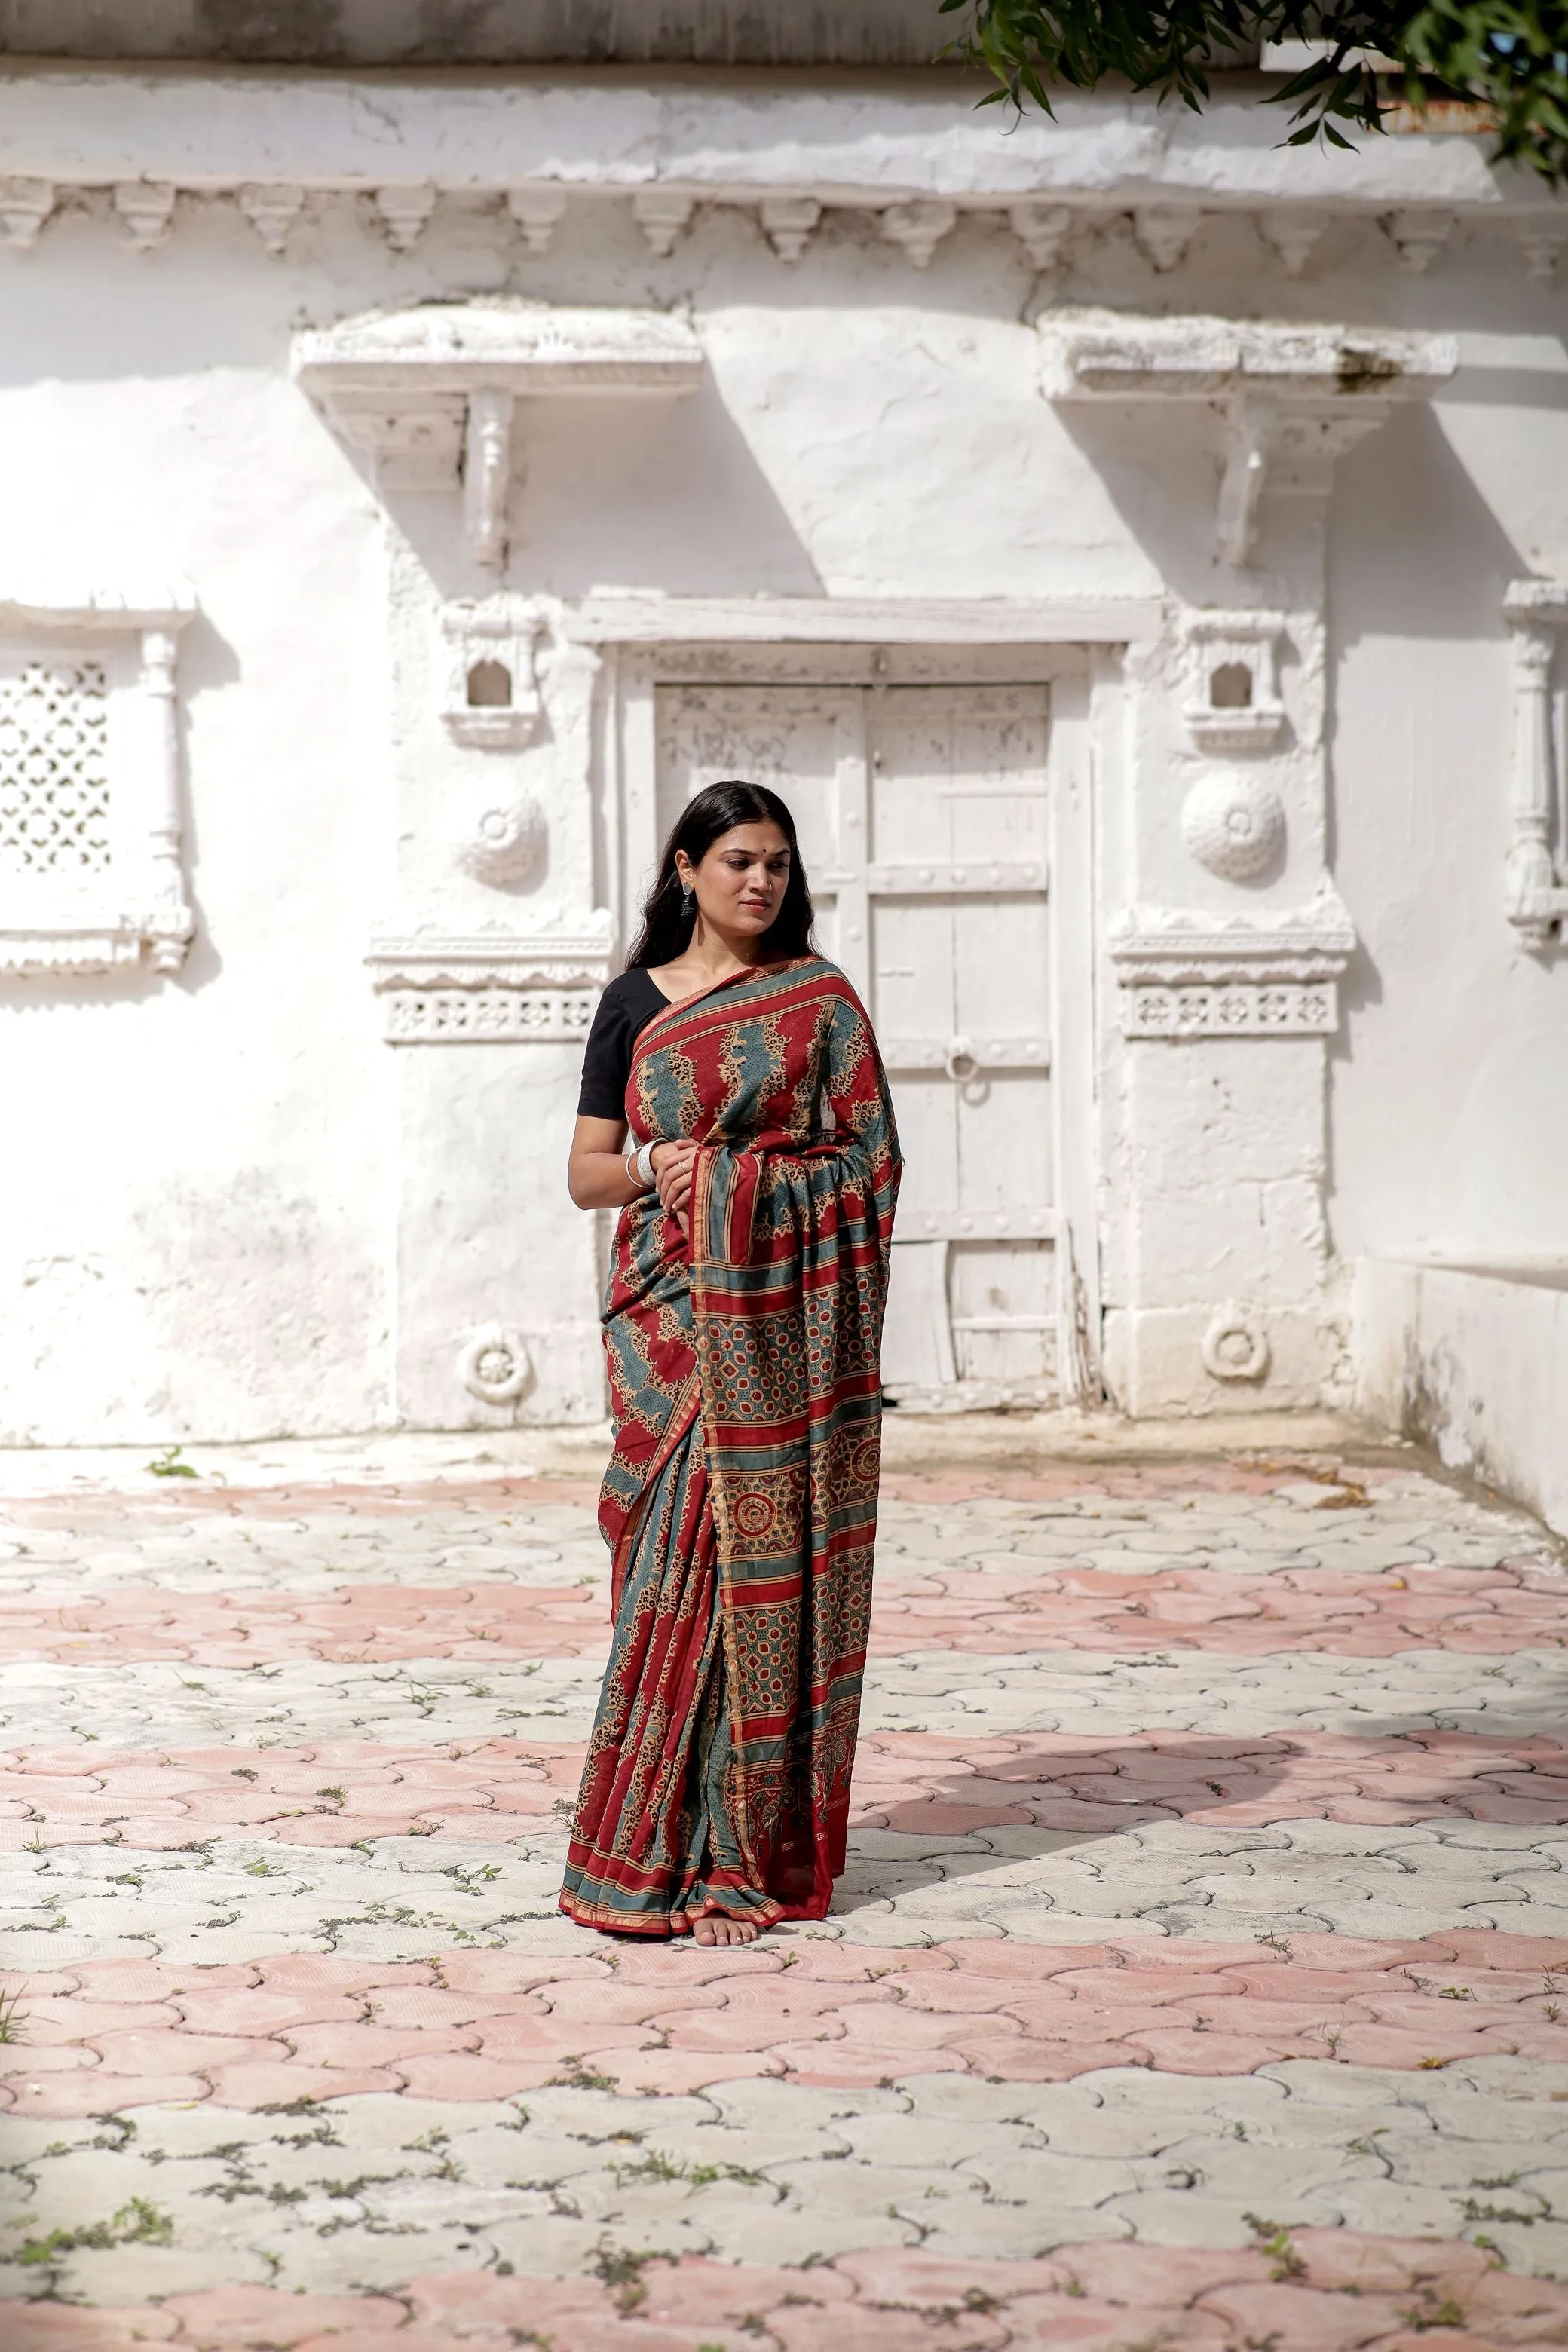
<point x="1234" y="824"/>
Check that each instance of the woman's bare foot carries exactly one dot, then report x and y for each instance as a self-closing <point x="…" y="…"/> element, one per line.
<point x="713" y="1928"/>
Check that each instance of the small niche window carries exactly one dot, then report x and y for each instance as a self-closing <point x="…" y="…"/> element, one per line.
<point x="490" y="698"/>
<point x="1230" y="687"/>
<point x="489" y="687"/>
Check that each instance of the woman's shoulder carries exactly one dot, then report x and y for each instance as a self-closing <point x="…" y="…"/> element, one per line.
<point x="827" y="976"/>
<point x="634" y="992"/>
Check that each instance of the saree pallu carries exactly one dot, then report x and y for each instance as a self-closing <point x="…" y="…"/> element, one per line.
<point x="741" y="1500"/>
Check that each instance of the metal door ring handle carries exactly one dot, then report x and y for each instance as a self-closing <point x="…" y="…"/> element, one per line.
<point x="960" y="1063"/>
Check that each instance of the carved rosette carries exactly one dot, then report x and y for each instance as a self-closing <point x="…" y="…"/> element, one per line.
<point x="495" y="1366"/>
<point x="507" y="843"/>
<point x="1234" y="824"/>
<point x="1234" y="1347"/>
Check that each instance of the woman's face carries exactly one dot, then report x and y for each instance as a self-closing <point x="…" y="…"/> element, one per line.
<point x="741" y="879"/>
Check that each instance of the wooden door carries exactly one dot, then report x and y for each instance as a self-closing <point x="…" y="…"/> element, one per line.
<point x="924" y="816"/>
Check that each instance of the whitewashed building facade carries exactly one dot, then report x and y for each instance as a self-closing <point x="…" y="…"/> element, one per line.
<point x="1138" y="551"/>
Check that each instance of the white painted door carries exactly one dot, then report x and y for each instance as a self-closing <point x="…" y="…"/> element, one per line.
<point x="923" y="818"/>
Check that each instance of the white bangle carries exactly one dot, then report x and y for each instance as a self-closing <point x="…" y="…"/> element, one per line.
<point x="639" y="1168"/>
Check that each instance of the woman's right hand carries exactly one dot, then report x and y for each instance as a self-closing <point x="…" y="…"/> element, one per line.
<point x="673" y="1164"/>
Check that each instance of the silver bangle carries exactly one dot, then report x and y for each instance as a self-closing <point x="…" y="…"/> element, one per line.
<point x="639" y="1168"/>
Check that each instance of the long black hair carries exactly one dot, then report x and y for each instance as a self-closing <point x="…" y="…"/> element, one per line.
<point x="668" y="916"/>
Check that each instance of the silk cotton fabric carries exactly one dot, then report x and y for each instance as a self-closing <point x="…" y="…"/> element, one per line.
<point x="741" y="1499"/>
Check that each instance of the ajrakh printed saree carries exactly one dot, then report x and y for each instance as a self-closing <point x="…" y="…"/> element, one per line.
<point x="740" y="1501"/>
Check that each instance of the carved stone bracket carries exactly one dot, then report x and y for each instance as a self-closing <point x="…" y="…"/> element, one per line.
<point x="1185" y="974"/>
<point x="1292" y="398"/>
<point x="1536" y="882"/>
<point x="438" y="386"/>
<point x="91" y="870"/>
<point x="490" y="988"/>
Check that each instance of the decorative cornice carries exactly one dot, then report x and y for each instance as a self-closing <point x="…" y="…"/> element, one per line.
<point x="491" y="959"/>
<point x="1185" y="974"/>
<point x="41" y="951"/>
<point x="490" y="988"/>
<point x="875" y="144"/>
<point x="66" y="604"/>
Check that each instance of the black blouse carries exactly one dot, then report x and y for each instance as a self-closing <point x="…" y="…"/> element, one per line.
<point x="626" y="1008"/>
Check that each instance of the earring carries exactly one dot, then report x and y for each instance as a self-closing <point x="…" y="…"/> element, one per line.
<point x="687" y="895"/>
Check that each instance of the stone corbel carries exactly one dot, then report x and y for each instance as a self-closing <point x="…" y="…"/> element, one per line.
<point x="437" y="388"/>
<point x="1186" y="974"/>
<point x="1292" y="398"/>
<point x="492" y="988"/>
<point x="1537" y="898"/>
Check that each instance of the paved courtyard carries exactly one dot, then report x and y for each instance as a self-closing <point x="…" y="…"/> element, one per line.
<point x="1200" y="1977"/>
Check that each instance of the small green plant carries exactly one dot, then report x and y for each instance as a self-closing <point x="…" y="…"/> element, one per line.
<point x="170" y="1464"/>
<point x="135" y="2224"/>
<point x="1432" y="2314"/>
<point x="621" y="2270"/>
<point x="1273" y="2239"/>
<point x="581" y="2078"/>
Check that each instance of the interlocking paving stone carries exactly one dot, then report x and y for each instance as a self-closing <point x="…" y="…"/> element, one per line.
<point x="1200" y="1976"/>
<point x="346" y="1792"/>
<point x="141" y="1705"/>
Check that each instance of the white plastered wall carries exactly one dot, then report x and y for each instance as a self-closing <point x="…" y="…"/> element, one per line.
<point x="225" y="1197"/>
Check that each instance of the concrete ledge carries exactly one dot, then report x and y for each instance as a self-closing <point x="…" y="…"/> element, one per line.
<point x="1474" y="1361"/>
<point x="391" y="1459"/>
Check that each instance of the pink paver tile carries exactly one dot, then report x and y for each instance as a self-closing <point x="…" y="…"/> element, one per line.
<point x="67" y="2328"/>
<point x="676" y="2074"/>
<point x="89" y="2091"/>
<point x="227" y="2316"/>
<point x="268" y="2082"/>
<point x="505" y="2021"/>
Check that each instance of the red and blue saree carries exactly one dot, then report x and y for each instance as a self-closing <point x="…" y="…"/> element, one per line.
<point x="741" y="1500"/>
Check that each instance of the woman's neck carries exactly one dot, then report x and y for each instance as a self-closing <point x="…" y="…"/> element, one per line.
<point x="710" y="956"/>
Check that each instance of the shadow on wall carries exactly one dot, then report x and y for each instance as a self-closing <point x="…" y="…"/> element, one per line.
<point x="665" y="493"/>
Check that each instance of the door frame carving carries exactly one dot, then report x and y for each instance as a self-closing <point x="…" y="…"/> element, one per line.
<point x="1075" y="649"/>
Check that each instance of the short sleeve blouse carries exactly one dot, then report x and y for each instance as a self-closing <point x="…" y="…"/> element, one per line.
<point x="626" y="1008"/>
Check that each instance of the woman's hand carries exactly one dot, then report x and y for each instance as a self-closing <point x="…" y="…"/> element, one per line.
<point x="673" y="1164"/>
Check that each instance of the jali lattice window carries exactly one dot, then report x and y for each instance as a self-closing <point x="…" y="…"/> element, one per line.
<point x="54" y="770"/>
<point x="90" y="868"/>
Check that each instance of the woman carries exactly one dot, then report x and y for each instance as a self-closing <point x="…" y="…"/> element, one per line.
<point x="735" y="1111"/>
